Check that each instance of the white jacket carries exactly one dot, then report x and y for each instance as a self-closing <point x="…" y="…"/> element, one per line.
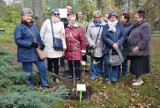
<point x="46" y="36"/>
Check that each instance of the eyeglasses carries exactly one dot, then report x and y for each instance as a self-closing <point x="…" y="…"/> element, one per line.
<point x="136" y="17"/>
<point x="56" y="14"/>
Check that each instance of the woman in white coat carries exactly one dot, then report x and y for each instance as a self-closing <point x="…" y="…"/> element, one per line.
<point x="46" y="35"/>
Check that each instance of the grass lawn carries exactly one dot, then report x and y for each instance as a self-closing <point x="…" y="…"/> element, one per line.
<point x="123" y="94"/>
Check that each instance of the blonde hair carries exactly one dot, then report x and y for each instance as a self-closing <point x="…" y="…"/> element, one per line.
<point x="97" y="14"/>
<point x="71" y="16"/>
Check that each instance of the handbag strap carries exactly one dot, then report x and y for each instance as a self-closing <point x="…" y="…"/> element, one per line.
<point x="52" y="29"/>
<point x="30" y="32"/>
<point x="73" y="37"/>
<point x="97" y="35"/>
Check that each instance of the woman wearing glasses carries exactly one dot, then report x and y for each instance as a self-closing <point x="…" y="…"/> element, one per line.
<point x="46" y="35"/>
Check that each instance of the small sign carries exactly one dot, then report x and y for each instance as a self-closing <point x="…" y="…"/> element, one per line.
<point x="81" y="87"/>
<point x="63" y="13"/>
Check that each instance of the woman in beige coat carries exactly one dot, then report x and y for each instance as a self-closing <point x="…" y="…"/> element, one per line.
<point x="46" y="35"/>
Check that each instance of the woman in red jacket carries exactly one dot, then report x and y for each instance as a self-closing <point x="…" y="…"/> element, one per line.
<point x="76" y="46"/>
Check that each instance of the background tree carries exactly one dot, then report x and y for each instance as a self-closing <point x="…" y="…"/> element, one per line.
<point x="38" y="13"/>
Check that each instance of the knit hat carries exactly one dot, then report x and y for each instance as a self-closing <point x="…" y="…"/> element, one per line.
<point x="112" y="14"/>
<point x="26" y="11"/>
<point x="54" y="10"/>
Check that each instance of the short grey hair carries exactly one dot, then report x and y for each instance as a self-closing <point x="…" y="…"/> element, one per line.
<point x="26" y="11"/>
<point x="97" y="14"/>
<point x="71" y="16"/>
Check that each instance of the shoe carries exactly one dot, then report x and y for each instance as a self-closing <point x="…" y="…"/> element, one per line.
<point x="92" y="78"/>
<point x="113" y="82"/>
<point x="77" y="78"/>
<point x="134" y="80"/>
<point x="70" y="77"/>
<point x="63" y="74"/>
<point x="46" y="87"/>
<point x="138" y="83"/>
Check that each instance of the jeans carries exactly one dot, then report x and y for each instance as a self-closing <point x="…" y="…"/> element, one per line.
<point x="111" y="72"/>
<point x="74" y="65"/>
<point x="124" y="68"/>
<point x="96" y="67"/>
<point x="27" y="67"/>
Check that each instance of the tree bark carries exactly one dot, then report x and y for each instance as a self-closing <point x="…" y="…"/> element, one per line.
<point x="38" y="15"/>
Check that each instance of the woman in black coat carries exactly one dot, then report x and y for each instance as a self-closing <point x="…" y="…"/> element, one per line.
<point x="139" y="40"/>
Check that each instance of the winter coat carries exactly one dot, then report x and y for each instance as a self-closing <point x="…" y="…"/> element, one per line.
<point x="24" y="39"/>
<point x="91" y="36"/>
<point x="76" y="45"/>
<point x="127" y="27"/>
<point x="46" y="36"/>
<point x="140" y="36"/>
<point x="109" y="37"/>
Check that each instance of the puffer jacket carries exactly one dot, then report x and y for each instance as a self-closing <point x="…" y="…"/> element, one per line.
<point x="76" y="45"/>
<point x="109" y="37"/>
<point x="24" y="39"/>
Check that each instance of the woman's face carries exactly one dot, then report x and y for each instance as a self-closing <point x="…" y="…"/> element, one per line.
<point x="137" y="18"/>
<point x="27" y="17"/>
<point x="113" y="19"/>
<point x="80" y="15"/>
<point x="97" y="19"/>
<point x="72" y="21"/>
<point x="122" y="19"/>
<point x="56" y="15"/>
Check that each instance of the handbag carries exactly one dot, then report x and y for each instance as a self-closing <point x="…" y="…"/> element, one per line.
<point x="90" y="49"/>
<point x="137" y="53"/>
<point x="115" y="59"/>
<point x="42" y="55"/>
<point x="57" y="42"/>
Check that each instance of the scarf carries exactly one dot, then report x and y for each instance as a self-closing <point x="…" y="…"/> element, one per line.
<point x="27" y="23"/>
<point x="112" y="26"/>
<point x="97" y="23"/>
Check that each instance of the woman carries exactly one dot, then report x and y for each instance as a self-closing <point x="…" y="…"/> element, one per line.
<point x="76" y="46"/>
<point x="27" y="38"/>
<point x="139" y="40"/>
<point x="47" y="36"/>
<point x="94" y="40"/>
<point x="125" y="20"/>
<point x="113" y="36"/>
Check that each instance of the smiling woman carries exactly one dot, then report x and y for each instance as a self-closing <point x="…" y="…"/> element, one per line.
<point x="27" y="38"/>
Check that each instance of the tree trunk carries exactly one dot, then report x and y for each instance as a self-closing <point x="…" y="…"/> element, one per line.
<point x="38" y="15"/>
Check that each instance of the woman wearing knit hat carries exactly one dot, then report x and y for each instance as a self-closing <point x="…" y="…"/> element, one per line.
<point x="27" y="38"/>
<point x="113" y="36"/>
<point x="47" y="32"/>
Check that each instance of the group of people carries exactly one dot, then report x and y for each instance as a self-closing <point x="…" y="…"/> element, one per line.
<point x="77" y="35"/>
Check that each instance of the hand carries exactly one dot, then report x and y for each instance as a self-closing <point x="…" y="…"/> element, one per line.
<point x="135" y="49"/>
<point x="35" y="45"/>
<point x="115" y="46"/>
<point x="94" y="45"/>
<point x="42" y="47"/>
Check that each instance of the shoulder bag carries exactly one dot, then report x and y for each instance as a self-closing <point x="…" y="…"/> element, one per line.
<point x="42" y="55"/>
<point x="57" y="42"/>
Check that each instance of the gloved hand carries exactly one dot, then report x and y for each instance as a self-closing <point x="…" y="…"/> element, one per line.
<point x="42" y="47"/>
<point x="35" y="45"/>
